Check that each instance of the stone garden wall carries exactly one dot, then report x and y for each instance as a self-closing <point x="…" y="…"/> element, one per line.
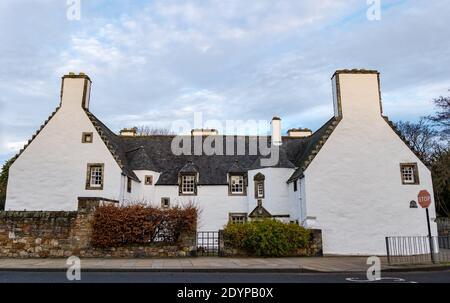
<point x="40" y="234"/>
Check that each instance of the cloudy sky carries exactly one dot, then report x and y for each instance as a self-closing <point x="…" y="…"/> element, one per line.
<point x="155" y="61"/>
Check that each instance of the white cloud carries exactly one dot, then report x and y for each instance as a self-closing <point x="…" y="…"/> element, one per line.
<point x="13" y="147"/>
<point x="155" y="61"/>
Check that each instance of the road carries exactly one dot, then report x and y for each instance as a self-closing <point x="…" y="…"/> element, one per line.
<point x="184" y="277"/>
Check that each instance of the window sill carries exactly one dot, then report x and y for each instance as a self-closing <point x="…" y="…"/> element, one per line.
<point x="94" y="188"/>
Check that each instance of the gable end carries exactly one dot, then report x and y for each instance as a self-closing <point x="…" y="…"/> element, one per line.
<point x="35" y="134"/>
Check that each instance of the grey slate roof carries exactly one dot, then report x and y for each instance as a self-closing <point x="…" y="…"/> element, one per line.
<point x="283" y="160"/>
<point x="212" y="169"/>
<point x="138" y="159"/>
<point x="155" y="153"/>
<point x="236" y="168"/>
<point x="189" y="168"/>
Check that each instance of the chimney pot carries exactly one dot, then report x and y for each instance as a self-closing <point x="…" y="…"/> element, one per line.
<point x="204" y="132"/>
<point x="276" y="131"/>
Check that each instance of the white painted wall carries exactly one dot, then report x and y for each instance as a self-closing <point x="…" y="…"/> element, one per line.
<point x="353" y="186"/>
<point x="297" y="201"/>
<point x="51" y="172"/>
<point x="276" y="197"/>
<point x="140" y="192"/>
<point x="213" y="202"/>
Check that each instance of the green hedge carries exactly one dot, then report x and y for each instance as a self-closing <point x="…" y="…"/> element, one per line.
<point x="267" y="238"/>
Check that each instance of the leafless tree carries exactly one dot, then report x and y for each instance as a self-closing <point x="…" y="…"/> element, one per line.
<point x="429" y="138"/>
<point x="441" y="118"/>
<point x="440" y="170"/>
<point x="421" y="136"/>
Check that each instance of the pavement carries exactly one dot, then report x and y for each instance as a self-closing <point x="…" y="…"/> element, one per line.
<point x="215" y="264"/>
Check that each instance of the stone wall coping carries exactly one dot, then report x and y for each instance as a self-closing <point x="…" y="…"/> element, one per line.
<point x="37" y="214"/>
<point x="100" y="199"/>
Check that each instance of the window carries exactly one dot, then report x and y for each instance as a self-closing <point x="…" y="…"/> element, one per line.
<point x="237" y="186"/>
<point x="295" y="185"/>
<point x="148" y="180"/>
<point x="188" y="185"/>
<point x="94" y="176"/>
<point x="86" y="138"/>
<point x="259" y="185"/>
<point x="129" y="183"/>
<point x="238" y="218"/>
<point x="165" y="202"/>
<point x="409" y="173"/>
<point x="260" y="189"/>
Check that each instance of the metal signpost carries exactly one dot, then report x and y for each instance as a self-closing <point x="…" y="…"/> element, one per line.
<point x="424" y="199"/>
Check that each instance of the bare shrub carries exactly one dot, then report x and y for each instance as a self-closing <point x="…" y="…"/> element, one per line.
<point x="141" y="224"/>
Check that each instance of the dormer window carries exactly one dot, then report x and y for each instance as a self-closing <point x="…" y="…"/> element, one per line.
<point x="236" y="184"/>
<point x="237" y="180"/>
<point x="87" y="137"/>
<point x="187" y="179"/>
<point x="188" y="185"/>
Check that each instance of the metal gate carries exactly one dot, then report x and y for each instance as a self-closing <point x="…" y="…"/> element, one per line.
<point x="208" y="243"/>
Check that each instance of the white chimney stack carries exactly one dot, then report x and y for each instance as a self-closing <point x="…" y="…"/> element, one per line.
<point x="356" y="94"/>
<point x="276" y="131"/>
<point x="75" y="90"/>
<point x="128" y="132"/>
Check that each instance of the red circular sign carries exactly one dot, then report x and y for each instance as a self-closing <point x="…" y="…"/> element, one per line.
<point x="424" y="198"/>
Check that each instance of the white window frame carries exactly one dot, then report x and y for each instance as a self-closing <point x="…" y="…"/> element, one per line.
<point x="95" y="176"/>
<point x="188" y="183"/>
<point x="409" y="173"/>
<point x="260" y="189"/>
<point x="237" y="184"/>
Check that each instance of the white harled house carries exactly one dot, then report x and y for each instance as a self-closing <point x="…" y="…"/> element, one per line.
<point x="353" y="178"/>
